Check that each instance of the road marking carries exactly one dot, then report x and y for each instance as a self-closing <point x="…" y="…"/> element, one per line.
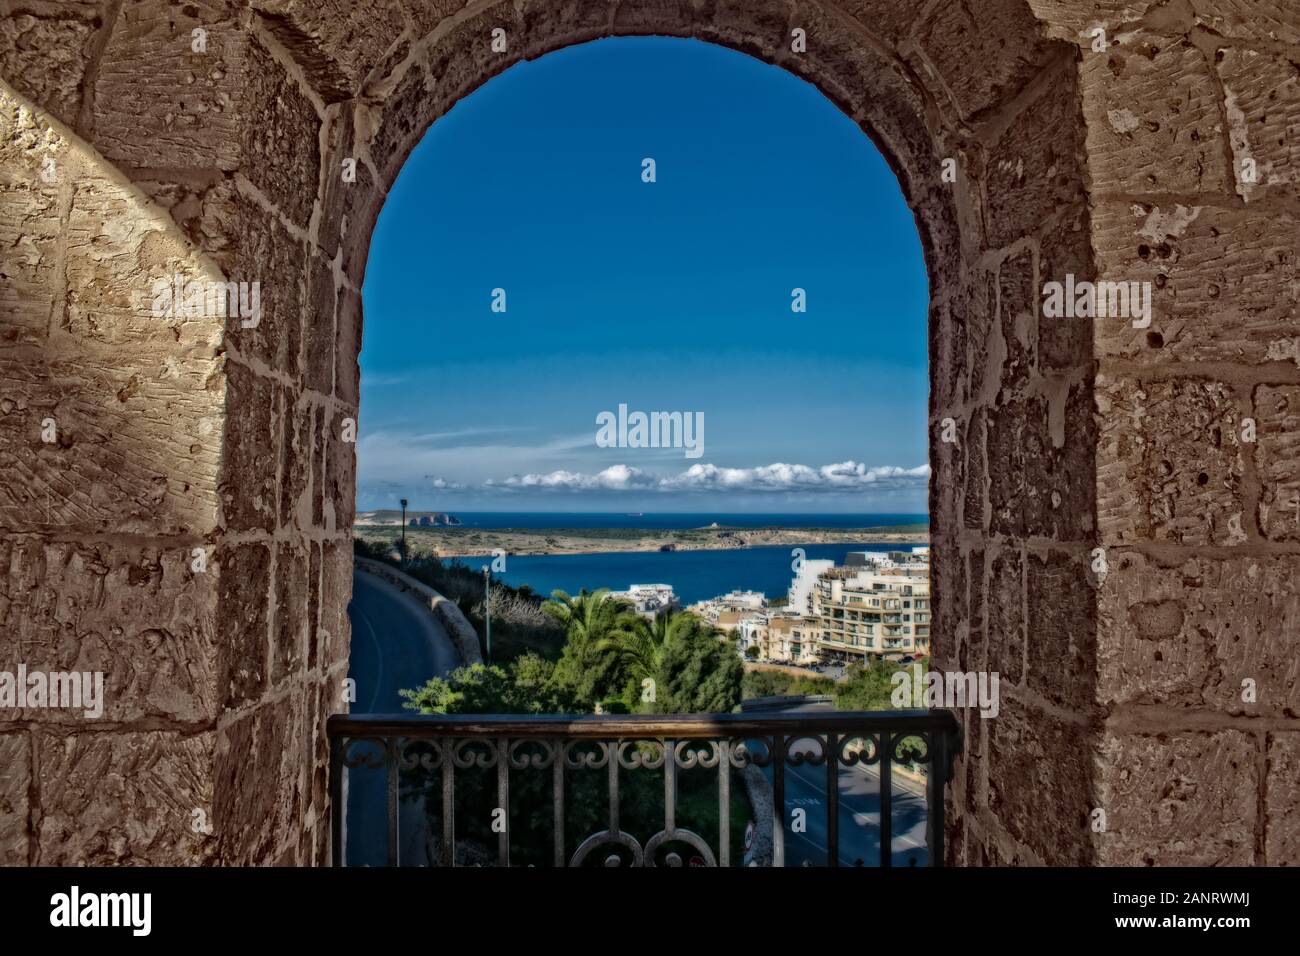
<point x="898" y="837"/>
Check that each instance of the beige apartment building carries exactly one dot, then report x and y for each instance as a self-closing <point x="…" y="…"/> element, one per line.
<point x="780" y="636"/>
<point x="874" y="605"/>
<point x="879" y="607"/>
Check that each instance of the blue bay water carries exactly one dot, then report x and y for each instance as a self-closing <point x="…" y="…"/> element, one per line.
<point x="680" y="521"/>
<point x="694" y="575"/>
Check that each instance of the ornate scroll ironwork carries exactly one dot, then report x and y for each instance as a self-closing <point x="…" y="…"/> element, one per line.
<point x="432" y="755"/>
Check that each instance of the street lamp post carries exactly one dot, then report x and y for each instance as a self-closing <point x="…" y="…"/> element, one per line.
<point x="487" y="610"/>
<point x="403" y="532"/>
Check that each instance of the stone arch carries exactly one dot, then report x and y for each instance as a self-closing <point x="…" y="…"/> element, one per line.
<point x="237" y="149"/>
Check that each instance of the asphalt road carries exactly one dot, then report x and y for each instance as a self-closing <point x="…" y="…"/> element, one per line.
<point x="859" y="816"/>
<point x="396" y="644"/>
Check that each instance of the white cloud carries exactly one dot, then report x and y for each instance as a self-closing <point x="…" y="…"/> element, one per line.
<point x="613" y="478"/>
<point x="840" y="477"/>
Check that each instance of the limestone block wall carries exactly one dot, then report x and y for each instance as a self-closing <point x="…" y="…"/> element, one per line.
<point x="254" y="141"/>
<point x="1192" y="118"/>
<point x="205" y="432"/>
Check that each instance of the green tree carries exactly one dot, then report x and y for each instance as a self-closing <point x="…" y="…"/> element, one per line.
<point x="868" y="686"/>
<point x="524" y="686"/>
<point x="594" y="624"/>
<point x="640" y="650"/>
<point x="698" y="673"/>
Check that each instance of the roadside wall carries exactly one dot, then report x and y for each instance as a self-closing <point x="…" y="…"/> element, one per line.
<point x="461" y="632"/>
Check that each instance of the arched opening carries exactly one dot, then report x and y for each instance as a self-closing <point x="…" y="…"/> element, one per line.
<point x="734" y="227"/>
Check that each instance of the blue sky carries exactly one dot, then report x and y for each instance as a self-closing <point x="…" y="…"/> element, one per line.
<point x="665" y="296"/>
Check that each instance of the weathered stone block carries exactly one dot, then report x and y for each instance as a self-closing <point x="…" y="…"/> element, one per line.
<point x="139" y="615"/>
<point x="1061" y="630"/>
<point x="337" y="43"/>
<point x="124" y="798"/>
<point x="1153" y="117"/>
<point x="948" y="355"/>
<point x="91" y="456"/>
<point x="974" y="511"/>
<point x="1017" y="308"/>
<point x="1073" y="20"/>
<point x="45" y="57"/>
<point x="1039" y="455"/>
<point x="886" y="21"/>
<point x="948" y="472"/>
<point x="347" y="351"/>
<point x="1277" y="460"/>
<point x="1064" y="343"/>
<point x="1006" y="617"/>
<point x="1192" y="634"/>
<point x="427" y="14"/>
<point x="281" y="134"/>
<point x="252" y="246"/>
<point x="30" y="225"/>
<point x="131" y="278"/>
<point x="159" y="101"/>
<point x="15" y="801"/>
<point x="258" y="781"/>
<point x="1225" y="285"/>
<point x="335" y="629"/>
<point x="1178" y="799"/>
<point x="982" y="62"/>
<point x="1253" y="20"/>
<point x="340" y="467"/>
<point x="398" y="125"/>
<point x="243" y="605"/>
<point x="1169" y="462"/>
<point x="1262" y="101"/>
<point x="1036" y="166"/>
<point x="290" y="613"/>
<point x="348" y="209"/>
<point x="296" y="449"/>
<point x="1282" y="800"/>
<point x="948" y="603"/>
<point x="675" y="17"/>
<point x="313" y="606"/>
<point x="252" y="446"/>
<point x="1039" y="785"/>
<point x="318" y="329"/>
<point x="977" y="306"/>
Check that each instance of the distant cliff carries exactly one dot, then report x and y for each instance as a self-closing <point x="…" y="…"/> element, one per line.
<point x="415" y="519"/>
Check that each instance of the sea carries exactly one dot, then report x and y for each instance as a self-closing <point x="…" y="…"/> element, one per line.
<point x="693" y="575"/>
<point x="681" y="521"/>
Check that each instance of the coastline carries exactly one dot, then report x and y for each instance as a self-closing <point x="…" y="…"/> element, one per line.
<point x="452" y="542"/>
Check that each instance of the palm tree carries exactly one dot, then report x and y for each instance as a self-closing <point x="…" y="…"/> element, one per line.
<point x="642" y="649"/>
<point x="593" y="623"/>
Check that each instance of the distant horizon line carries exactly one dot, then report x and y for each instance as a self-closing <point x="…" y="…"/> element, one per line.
<point x="517" y="511"/>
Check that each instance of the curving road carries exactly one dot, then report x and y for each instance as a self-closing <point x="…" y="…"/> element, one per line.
<point x="396" y="644"/>
<point x="859" y="815"/>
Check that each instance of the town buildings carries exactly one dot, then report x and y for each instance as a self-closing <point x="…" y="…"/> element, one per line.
<point x="873" y="605"/>
<point x="649" y="600"/>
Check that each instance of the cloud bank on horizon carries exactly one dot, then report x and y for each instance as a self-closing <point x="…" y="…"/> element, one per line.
<point x="839" y="477"/>
<point x="882" y="486"/>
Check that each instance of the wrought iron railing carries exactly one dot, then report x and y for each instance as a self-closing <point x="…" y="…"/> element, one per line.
<point x="429" y="755"/>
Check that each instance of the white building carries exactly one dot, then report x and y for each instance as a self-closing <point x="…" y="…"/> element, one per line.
<point x="649" y="600"/>
<point x="800" y="596"/>
<point x="743" y="599"/>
